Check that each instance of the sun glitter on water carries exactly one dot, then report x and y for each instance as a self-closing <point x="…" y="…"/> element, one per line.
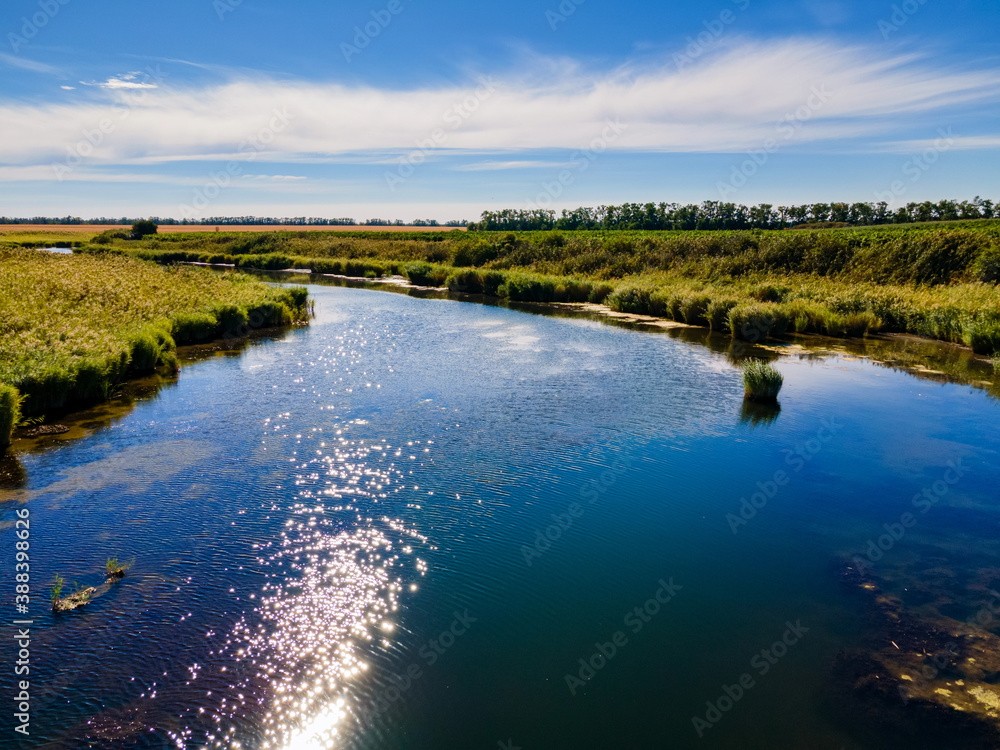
<point x="335" y="579"/>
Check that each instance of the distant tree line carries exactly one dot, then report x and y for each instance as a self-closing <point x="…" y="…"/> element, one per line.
<point x="718" y="215"/>
<point x="233" y="221"/>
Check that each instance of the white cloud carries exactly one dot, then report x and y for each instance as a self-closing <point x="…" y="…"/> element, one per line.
<point x="953" y="142"/>
<point x="726" y="102"/>
<point x="125" y="82"/>
<point x="273" y="177"/>
<point x="496" y="166"/>
<point x="25" y="64"/>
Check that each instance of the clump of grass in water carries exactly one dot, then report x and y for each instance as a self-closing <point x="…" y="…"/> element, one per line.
<point x="117" y="569"/>
<point x="57" y="587"/>
<point x="761" y="381"/>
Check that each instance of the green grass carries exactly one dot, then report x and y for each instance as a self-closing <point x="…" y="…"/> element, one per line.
<point x="115" y="569"/>
<point x="761" y="381"/>
<point x="931" y="280"/>
<point x="57" y="587"/>
<point x="74" y="326"/>
<point x="10" y="413"/>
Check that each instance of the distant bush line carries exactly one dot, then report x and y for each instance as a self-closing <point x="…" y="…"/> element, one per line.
<point x="716" y="215"/>
<point x="234" y="221"/>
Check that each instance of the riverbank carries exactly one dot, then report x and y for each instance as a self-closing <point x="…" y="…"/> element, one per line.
<point x="752" y="285"/>
<point x="74" y="326"/>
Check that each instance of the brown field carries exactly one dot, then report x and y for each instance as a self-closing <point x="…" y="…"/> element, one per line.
<point x="177" y="229"/>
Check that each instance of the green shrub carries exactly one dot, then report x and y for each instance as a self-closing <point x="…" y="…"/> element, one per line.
<point x="10" y="413"/>
<point x="269" y="315"/>
<point x="987" y="266"/>
<point x="672" y="306"/>
<point x="804" y="316"/>
<point x="267" y="262"/>
<point x="599" y="293"/>
<point x="143" y="228"/>
<point x="756" y="322"/>
<point x="492" y="281"/>
<point x="425" y="274"/>
<point x="144" y="352"/>
<point x="92" y="382"/>
<point x="298" y="295"/>
<point x="634" y="300"/>
<point x="693" y="309"/>
<point x="110" y="235"/>
<point x="192" y="328"/>
<point x="770" y="293"/>
<point x="717" y="313"/>
<point x="465" y="281"/>
<point x="983" y="336"/>
<point x="525" y="288"/>
<point x="861" y="324"/>
<point x="761" y="381"/>
<point x="231" y="319"/>
<point x="833" y="324"/>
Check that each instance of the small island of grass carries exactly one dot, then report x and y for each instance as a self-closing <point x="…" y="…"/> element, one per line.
<point x="761" y="381"/>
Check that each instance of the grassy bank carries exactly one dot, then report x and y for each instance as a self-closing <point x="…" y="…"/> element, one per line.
<point x="73" y="326"/>
<point x="931" y="280"/>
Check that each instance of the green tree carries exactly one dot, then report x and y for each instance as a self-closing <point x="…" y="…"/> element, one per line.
<point x="143" y="228"/>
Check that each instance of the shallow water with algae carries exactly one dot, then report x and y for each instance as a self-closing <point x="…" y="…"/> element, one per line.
<point x="422" y="523"/>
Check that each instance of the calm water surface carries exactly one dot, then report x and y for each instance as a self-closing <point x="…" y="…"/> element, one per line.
<point x="406" y="525"/>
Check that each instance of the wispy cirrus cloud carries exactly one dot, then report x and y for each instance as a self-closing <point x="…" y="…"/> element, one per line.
<point x="727" y="102"/>
<point x="955" y="143"/>
<point x="25" y="64"/>
<point x="499" y="166"/>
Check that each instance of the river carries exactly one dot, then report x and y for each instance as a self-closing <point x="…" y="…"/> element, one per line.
<point x="423" y="523"/>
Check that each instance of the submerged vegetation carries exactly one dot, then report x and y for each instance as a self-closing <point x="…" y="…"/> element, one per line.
<point x="74" y="326"/>
<point x="934" y="280"/>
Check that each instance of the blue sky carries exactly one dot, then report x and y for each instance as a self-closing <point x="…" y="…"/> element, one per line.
<point x="419" y="109"/>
